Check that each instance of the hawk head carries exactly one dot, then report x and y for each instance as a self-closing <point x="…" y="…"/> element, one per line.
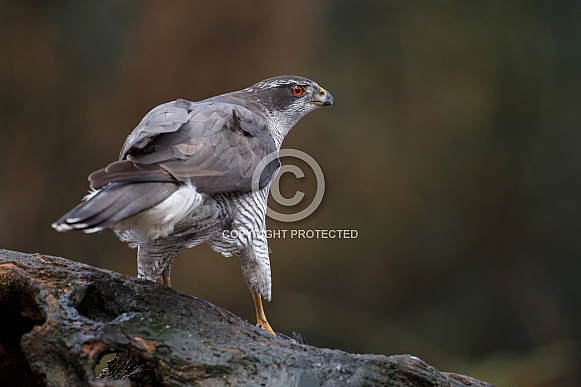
<point x="287" y="98"/>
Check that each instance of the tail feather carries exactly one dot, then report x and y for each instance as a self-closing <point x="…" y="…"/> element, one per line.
<point x="112" y="204"/>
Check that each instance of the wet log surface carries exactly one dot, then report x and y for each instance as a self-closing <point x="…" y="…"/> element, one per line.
<point x="59" y="317"/>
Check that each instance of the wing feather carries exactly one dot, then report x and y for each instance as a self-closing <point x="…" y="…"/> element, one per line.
<point x="214" y="144"/>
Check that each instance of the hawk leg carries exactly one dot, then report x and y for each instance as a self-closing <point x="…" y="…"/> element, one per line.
<point x="260" y="316"/>
<point x="166" y="274"/>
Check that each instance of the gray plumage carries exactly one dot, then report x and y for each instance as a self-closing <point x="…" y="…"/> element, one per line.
<point x="184" y="176"/>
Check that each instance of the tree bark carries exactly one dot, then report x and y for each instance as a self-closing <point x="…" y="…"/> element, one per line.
<point x="59" y="317"/>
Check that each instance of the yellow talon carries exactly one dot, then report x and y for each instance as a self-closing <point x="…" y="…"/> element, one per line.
<point x="260" y="316"/>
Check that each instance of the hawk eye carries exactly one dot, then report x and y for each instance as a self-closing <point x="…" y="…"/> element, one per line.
<point x="297" y="90"/>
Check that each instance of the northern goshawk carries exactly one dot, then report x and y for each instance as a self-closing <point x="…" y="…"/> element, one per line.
<point x="185" y="176"/>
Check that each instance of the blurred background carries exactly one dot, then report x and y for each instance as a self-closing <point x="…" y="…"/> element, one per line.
<point x="453" y="150"/>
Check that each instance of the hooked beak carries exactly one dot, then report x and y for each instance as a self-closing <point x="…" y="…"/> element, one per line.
<point x="323" y="98"/>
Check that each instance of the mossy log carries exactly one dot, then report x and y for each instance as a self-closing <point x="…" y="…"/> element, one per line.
<point x="58" y="318"/>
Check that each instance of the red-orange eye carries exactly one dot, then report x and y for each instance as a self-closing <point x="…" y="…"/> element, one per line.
<point x="297" y="90"/>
